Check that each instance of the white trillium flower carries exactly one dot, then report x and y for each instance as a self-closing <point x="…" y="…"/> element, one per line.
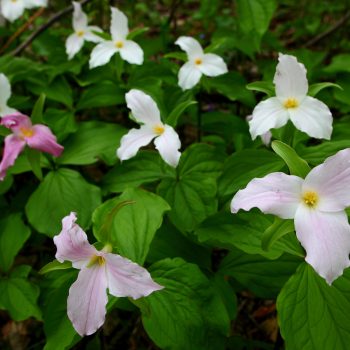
<point x="291" y="102"/>
<point x="145" y="111"/>
<point x="5" y="94"/>
<point x="198" y="63"/>
<point x="128" y="49"/>
<point x="82" y="32"/>
<point x="13" y="9"/>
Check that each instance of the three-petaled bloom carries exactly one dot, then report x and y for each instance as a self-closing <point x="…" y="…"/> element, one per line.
<point x="81" y="33"/>
<point x="198" y="63"/>
<point x="291" y="102"/>
<point x="128" y="49"/>
<point x="99" y="270"/>
<point x="5" y="93"/>
<point x="13" y="9"/>
<point x="24" y="133"/>
<point x="317" y="205"/>
<point x="145" y="111"/>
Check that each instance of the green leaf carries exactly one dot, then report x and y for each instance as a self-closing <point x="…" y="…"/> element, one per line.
<point x="297" y="166"/>
<point x="136" y="32"/>
<point x="314" y="89"/>
<point x="37" y="112"/>
<point x="181" y="56"/>
<point x="177" y="112"/>
<point x="34" y="156"/>
<point x="340" y="63"/>
<point x="60" y="193"/>
<point x="4" y="131"/>
<point x="13" y="234"/>
<point x="312" y="314"/>
<point x="262" y="86"/>
<point x="133" y="227"/>
<point x="55" y="265"/>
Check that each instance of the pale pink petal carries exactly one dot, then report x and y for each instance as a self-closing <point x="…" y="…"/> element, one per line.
<point x="127" y="279"/>
<point x="12" y="10"/>
<point x="189" y="76"/>
<point x="290" y="78"/>
<point x="267" y="115"/>
<point x="134" y="140"/>
<point x="168" y="145"/>
<point x="212" y="65"/>
<point x="74" y="43"/>
<point x="16" y="122"/>
<point x="72" y="243"/>
<point x="143" y="107"/>
<point x="131" y="52"/>
<point x="90" y="36"/>
<point x="326" y="239"/>
<point x="13" y="147"/>
<point x="87" y="299"/>
<point x="191" y="46"/>
<point x="79" y="18"/>
<point x="313" y="117"/>
<point x="276" y="193"/>
<point x="102" y="53"/>
<point x="44" y="140"/>
<point x="119" y="25"/>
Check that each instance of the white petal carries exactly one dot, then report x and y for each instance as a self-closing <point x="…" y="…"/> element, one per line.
<point x="131" y="52"/>
<point x="326" y="239"/>
<point x="268" y="114"/>
<point x="79" y="18"/>
<point x="102" y="53"/>
<point x="133" y="140"/>
<point x="290" y="78"/>
<point x="213" y="65"/>
<point x="168" y="145"/>
<point x="5" y="110"/>
<point x="5" y="89"/>
<point x="191" y="46"/>
<point x="313" y="117"/>
<point x="12" y="10"/>
<point x="119" y="25"/>
<point x="74" y="43"/>
<point x="35" y="3"/>
<point x="189" y="76"/>
<point x="143" y="108"/>
<point x="90" y="36"/>
<point x="276" y="193"/>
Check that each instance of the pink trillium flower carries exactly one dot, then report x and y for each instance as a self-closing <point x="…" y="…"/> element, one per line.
<point x="99" y="270"/>
<point x="13" y="9"/>
<point x="307" y="113"/>
<point x="5" y="94"/>
<point x="316" y="204"/>
<point x="24" y="133"/>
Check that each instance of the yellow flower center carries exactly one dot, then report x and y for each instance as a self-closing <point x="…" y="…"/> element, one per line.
<point x="119" y="44"/>
<point x="310" y="198"/>
<point x="26" y="132"/>
<point x="158" y="129"/>
<point x="291" y="103"/>
<point x="198" y="61"/>
<point x="13" y="0"/>
<point x="80" y="33"/>
<point x="97" y="259"/>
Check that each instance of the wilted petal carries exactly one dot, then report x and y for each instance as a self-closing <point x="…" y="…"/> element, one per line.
<point x="72" y="243"/>
<point x="119" y="24"/>
<point x="74" y="43"/>
<point x="326" y="239"/>
<point x="189" y="76"/>
<point x="134" y="140"/>
<point x="290" y="78"/>
<point x="267" y="115"/>
<point x="276" y="193"/>
<point x="87" y="299"/>
<point x="312" y="117"/>
<point x="79" y="18"/>
<point x="131" y="52"/>
<point x="191" y="46"/>
<point x="102" y="53"/>
<point x="127" y="279"/>
<point x="212" y="65"/>
<point x="168" y="145"/>
<point x="12" y="10"/>
<point x="13" y="147"/>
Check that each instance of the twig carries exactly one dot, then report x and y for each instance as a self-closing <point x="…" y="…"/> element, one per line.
<point x="45" y="26"/>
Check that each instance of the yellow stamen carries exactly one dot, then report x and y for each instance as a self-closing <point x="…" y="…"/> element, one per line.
<point x="310" y="198"/>
<point x="291" y="103"/>
<point x="198" y="61"/>
<point x="97" y="259"/>
<point x="158" y="129"/>
<point x="26" y="132"/>
<point x="119" y="44"/>
<point x="80" y="33"/>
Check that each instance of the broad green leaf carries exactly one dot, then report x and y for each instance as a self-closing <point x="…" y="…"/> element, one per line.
<point x="181" y="56"/>
<point x="61" y="192"/>
<point x="262" y="86"/>
<point x="37" y="112"/>
<point x="340" y="63"/>
<point x="55" y="265"/>
<point x="312" y="314"/>
<point x="314" y="89"/>
<point x="34" y="156"/>
<point x="177" y="111"/>
<point x="136" y="32"/>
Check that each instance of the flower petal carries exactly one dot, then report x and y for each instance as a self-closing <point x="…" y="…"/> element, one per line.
<point x="102" y="53"/>
<point x="131" y="52"/>
<point x="74" y="43"/>
<point x="326" y="239"/>
<point x="44" y="140"/>
<point x="313" y="117"/>
<point x="16" y="122"/>
<point x="268" y="114"/>
<point x="191" y="46"/>
<point x="119" y="25"/>
<point x="35" y="3"/>
<point x="168" y="145"/>
<point x="189" y="75"/>
<point x="12" y="10"/>
<point x="72" y="243"/>
<point x="276" y="193"/>
<point x="127" y="279"/>
<point x="80" y="20"/>
<point x="87" y="299"/>
<point x="143" y="107"/>
<point x="133" y="141"/>
<point x="90" y="36"/>
<point x="290" y="78"/>
<point x="5" y="89"/>
<point x="13" y="147"/>
<point x="213" y="65"/>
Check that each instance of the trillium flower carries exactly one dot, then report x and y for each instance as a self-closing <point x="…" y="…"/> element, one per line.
<point x="128" y="49"/>
<point x="145" y="111"/>
<point x="81" y="33"/>
<point x="13" y="9"/>
<point x="266" y="137"/>
<point x="198" y="63"/>
<point x="316" y="204"/>
<point x="291" y="102"/>
<point x="24" y="133"/>
<point x="5" y="93"/>
<point x="99" y="270"/>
